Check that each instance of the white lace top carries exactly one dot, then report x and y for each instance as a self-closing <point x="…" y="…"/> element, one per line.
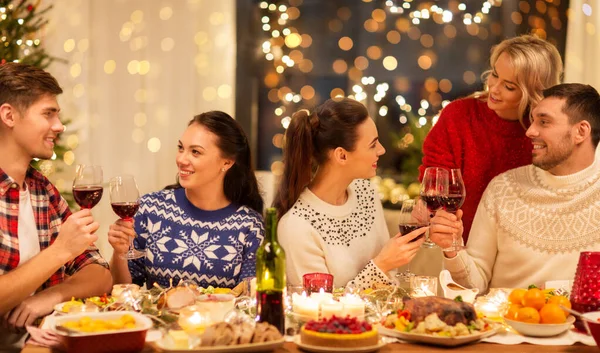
<point x="340" y="240"/>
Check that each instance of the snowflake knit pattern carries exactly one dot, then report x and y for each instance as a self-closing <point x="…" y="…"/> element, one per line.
<point x="182" y="242"/>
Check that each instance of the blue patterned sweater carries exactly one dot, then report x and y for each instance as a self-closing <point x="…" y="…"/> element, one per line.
<point x="183" y="242"/>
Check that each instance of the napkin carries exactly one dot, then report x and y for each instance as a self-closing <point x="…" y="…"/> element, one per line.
<point x="567" y="338"/>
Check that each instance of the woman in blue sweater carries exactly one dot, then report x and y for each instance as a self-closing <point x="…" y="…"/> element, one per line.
<point x="208" y="226"/>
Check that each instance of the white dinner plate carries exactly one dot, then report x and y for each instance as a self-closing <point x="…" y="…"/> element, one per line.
<point x="436" y="340"/>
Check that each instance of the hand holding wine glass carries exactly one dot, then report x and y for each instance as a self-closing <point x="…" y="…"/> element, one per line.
<point x="412" y="217"/>
<point x="77" y="233"/>
<point x="124" y="200"/>
<point x="87" y="185"/>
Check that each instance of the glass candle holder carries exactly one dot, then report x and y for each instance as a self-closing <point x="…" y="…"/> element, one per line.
<point x="423" y="286"/>
<point x="122" y="292"/>
<point x="585" y="296"/>
<point x="194" y="319"/>
<point x="314" y="282"/>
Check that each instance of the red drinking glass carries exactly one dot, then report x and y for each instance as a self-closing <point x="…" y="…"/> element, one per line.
<point x="585" y="296"/>
<point x="313" y="282"/>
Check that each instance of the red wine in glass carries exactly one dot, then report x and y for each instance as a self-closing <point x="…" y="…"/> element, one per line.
<point x="433" y="202"/>
<point x="87" y="196"/>
<point x="409" y="227"/>
<point x="124" y="200"/>
<point x="87" y="185"/>
<point x="125" y="210"/>
<point x="452" y="203"/>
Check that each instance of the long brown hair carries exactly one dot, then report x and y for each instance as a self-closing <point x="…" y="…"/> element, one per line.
<point x="308" y="140"/>
<point x="240" y="185"/>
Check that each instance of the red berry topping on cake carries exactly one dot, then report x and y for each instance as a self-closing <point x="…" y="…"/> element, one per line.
<point x="347" y="325"/>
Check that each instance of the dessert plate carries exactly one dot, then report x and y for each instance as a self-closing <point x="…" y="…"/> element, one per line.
<point x="319" y="349"/>
<point x="436" y="340"/>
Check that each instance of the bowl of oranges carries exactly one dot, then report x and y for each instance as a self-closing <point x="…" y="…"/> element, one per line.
<point x="538" y="313"/>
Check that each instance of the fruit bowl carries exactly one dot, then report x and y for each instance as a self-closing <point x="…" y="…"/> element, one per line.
<point x="594" y="328"/>
<point x="540" y="330"/>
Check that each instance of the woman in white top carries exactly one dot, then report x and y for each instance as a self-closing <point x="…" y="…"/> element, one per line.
<point x="331" y="219"/>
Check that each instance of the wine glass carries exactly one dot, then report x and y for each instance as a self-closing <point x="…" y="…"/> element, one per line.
<point x="87" y="185"/>
<point x="452" y="201"/>
<point x="412" y="217"/>
<point x="124" y="200"/>
<point x="433" y="186"/>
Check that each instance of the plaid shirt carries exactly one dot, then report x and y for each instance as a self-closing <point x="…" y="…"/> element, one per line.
<point x="50" y="210"/>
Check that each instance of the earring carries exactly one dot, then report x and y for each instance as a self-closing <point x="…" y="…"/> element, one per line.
<point x="223" y="169"/>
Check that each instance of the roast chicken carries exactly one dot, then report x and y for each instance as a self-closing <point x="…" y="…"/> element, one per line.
<point x="449" y="311"/>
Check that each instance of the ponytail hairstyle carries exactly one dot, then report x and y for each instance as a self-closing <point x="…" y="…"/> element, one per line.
<point x="240" y="184"/>
<point x="308" y="140"/>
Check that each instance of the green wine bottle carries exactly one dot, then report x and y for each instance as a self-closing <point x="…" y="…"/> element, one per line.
<point x="270" y="276"/>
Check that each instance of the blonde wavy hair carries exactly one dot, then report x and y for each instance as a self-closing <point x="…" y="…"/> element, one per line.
<point x="537" y="66"/>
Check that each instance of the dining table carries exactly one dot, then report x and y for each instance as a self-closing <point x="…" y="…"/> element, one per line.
<point x="290" y="347"/>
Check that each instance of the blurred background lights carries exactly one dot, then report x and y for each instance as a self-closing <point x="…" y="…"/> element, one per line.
<point x="165" y="13"/>
<point x="153" y="144"/>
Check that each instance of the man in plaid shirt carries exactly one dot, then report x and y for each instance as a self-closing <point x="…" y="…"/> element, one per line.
<point x="47" y="254"/>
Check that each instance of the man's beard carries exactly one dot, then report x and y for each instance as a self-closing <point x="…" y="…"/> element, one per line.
<point x="556" y="155"/>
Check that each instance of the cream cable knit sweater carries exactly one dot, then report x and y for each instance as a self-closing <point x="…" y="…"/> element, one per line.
<point x="529" y="228"/>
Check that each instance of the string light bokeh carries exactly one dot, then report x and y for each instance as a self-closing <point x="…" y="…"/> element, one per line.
<point x="366" y="52"/>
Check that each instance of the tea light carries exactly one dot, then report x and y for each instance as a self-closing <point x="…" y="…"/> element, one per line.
<point x="487" y="308"/>
<point x="423" y="286"/>
<point x="321" y="297"/>
<point x="331" y="308"/>
<point x="302" y="305"/>
<point x="193" y="320"/>
<point x="353" y="306"/>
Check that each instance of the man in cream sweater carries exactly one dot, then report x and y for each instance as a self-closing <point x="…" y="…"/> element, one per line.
<point x="533" y="221"/>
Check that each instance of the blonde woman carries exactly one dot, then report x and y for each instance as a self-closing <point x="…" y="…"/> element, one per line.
<point x="483" y="135"/>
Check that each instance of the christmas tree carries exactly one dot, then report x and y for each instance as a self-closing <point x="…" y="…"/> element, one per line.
<point x="21" y="23"/>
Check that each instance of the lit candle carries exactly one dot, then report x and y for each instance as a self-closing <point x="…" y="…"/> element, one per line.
<point x="331" y="308"/>
<point x="302" y="305"/>
<point x="321" y="297"/>
<point x="192" y="320"/>
<point x="353" y="306"/>
<point x="423" y="286"/>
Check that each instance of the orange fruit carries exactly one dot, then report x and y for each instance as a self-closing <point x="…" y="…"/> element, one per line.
<point x="534" y="298"/>
<point x="560" y="300"/>
<point x="552" y="314"/>
<point x="511" y="314"/>
<point x="516" y="296"/>
<point x="529" y="315"/>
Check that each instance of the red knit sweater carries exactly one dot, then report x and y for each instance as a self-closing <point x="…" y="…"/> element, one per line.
<point x="472" y="137"/>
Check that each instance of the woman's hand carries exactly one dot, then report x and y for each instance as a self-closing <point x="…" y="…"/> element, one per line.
<point x="120" y="235"/>
<point x="444" y="227"/>
<point x="399" y="250"/>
